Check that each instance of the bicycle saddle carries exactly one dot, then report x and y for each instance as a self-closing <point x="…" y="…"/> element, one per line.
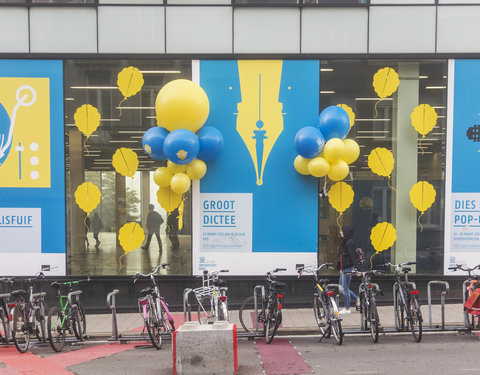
<point x="406" y="269"/>
<point x="147" y="291"/>
<point x="19" y="292"/>
<point x="277" y="285"/>
<point x="220" y="283"/>
<point x="56" y="285"/>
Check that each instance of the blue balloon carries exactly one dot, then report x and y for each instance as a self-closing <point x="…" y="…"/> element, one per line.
<point x="152" y="142"/>
<point x="4" y="132"/>
<point x="211" y="143"/>
<point x="181" y="146"/>
<point x="334" y="122"/>
<point x="309" y="142"/>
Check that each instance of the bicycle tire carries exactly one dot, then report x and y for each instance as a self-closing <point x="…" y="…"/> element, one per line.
<point x="153" y="327"/>
<point x="40" y="331"/>
<point x="335" y="323"/>
<point x="400" y="310"/>
<point x="20" y="330"/>
<point x="222" y="311"/>
<point x="246" y="314"/>
<point x="363" y="312"/>
<point x="415" y="319"/>
<point x="207" y="316"/>
<point x="272" y="322"/>
<point x="373" y="317"/>
<point x="5" y="326"/>
<point x="56" y="329"/>
<point x="320" y="312"/>
<point x="80" y="324"/>
<point x="169" y="324"/>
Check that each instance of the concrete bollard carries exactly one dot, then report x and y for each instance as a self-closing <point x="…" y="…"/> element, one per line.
<point x="205" y="349"/>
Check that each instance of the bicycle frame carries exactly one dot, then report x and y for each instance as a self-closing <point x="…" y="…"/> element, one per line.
<point x="215" y="293"/>
<point x="472" y="278"/>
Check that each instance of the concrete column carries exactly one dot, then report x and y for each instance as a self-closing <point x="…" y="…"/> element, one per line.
<point x="145" y="196"/>
<point x="404" y="215"/>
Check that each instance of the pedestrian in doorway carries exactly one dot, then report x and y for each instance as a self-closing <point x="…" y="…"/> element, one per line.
<point x="87" y="223"/>
<point x="154" y="221"/>
<point x="347" y="260"/>
<point x="172" y="228"/>
<point x="97" y="226"/>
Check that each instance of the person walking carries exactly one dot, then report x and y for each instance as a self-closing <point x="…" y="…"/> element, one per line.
<point x="172" y="228"/>
<point x="347" y="260"/>
<point x="154" y="221"/>
<point x="97" y="226"/>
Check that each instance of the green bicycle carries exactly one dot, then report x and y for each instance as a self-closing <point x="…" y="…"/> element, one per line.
<point x="70" y="316"/>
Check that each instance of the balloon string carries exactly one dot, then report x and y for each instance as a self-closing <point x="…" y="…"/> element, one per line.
<point x="338" y="223"/>
<point x="421" y="226"/>
<point x="85" y="222"/>
<point x="120" y="106"/>
<point x="420" y="145"/>
<point x="390" y="186"/>
<point x="371" y="262"/>
<point x="376" y="112"/>
<point x="120" y="261"/>
<point x="85" y="145"/>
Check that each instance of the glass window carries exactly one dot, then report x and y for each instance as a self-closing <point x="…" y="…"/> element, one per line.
<point x="63" y="1"/>
<point x="334" y="2"/>
<point x="387" y="124"/>
<point x="266" y="2"/>
<point x="124" y="199"/>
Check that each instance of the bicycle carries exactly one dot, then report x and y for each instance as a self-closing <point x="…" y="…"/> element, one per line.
<point x="324" y="305"/>
<point x="469" y="285"/>
<point x="70" y="316"/>
<point x="154" y="309"/>
<point x="213" y="294"/>
<point x="369" y="318"/>
<point x="407" y="308"/>
<point x="270" y="315"/>
<point x="4" y="311"/>
<point x="28" y="318"/>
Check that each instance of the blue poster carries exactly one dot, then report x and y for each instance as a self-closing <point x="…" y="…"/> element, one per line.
<point x="32" y="167"/>
<point x="259" y="105"/>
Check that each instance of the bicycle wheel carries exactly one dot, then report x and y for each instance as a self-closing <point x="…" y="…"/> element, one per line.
<point x="222" y="311"/>
<point x="56" y="329"/>
<point x="399" y="311"/>
<point x="5" y="327"/>
<point x="373" y="317"/>
<point x="40" y="330"/>
<point x="80" y="324"/>
<point x="153" y="327"/>
<point x="20" y="332"/>
<point x="363" y="312"/>
<point x="320" y="311"/>
<point x="415" y="319"/>
<point x="248" y="318"/>
<point x="207" y="316"/>
<point x="335" y="322"/>
<point x="272" y="321"/>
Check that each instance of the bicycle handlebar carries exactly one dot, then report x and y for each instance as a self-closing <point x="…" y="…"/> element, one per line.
<point x="138" y="274"/>
<point x="466" y="269"/>
<point x="310" y="269"/>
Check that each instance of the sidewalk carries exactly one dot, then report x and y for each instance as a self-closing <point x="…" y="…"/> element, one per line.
<point x="295" y="321"/>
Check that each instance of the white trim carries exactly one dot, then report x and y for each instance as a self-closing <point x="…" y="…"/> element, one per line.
<point x="195" y="192"/>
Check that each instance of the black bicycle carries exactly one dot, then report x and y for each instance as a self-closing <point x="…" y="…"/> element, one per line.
<point x="324" y="305"/>
<point x="407" y="307"/>
<point x="268" y="312"/>
<point x="5" y="311"/>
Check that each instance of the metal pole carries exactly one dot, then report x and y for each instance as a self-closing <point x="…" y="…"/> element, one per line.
<point x="442" y="301"/>
<point x="186" y="305"/>
<point x="112" y="306"/>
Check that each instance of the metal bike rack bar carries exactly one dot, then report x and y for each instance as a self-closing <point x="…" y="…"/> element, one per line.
<point x="442" y="300"/>
<point x="75" y="293"/>
<point x="187" y="310"/>
<point x="255" y="303"/>
<point x="464" y="293"/>
<point x="111" y="305"/>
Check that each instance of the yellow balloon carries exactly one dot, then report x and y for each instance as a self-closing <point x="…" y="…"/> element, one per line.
<point x="182" y="104"/>
<point x="168" y="199"/>
<point x="338" y="170"/>
<point x="130" y="81"/>
<point x="87" y="119"/>
<point x="350" y="112"/>
<point x="301" y="165"/>
<point x="424" y="119"/>
<point x="381" y="161"/>
<point x="87" y="196"/>
<point x="351" y="151"/>
<point x="196" y="169"/>
<point x="383" y="236"/>
<point x="385" y="82"/>
<point x="180" y="215"/>
<point x="125" y="162"/>
<point x="175" y="168"/>
<point x="340" y="196"/>
<point x="162" y="176"/>
<point x="180" y="183"/>
<point x="422" y="195"/>
<point x="333" y="149"/>
<point x="318" y="167"/>
<point x="131" y="236"/>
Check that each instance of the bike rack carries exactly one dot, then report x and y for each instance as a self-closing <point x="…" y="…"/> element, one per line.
<point x="187" y="309"/>
<point x="255" y="303"/>
<point x="76" y="293"/>
<point x="442" y="300"/>
<point x="409" y="283"/>
<point x="111" y="305"/>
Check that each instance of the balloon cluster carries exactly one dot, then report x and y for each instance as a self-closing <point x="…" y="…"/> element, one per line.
<point x="323" y="149"/>
<point x="182" y="108"/>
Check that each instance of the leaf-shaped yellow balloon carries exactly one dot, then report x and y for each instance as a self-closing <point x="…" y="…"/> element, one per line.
<point x="350" y="112"/>
<point x="383" y="236"/>
<point x="385" y="82"/>
<point x="168" y="199"/>
<point x="87" y="119"/>
<point x="340" y="196"/>
<point x="131" y="236"/>
<point x="130" y="81"/>
<point x="125" y="161"/>
<point x="87" y="196"/>
<point x="180" y="215"/>
<point x="422" y="195"/>
<point x="424" y="119"/>
<point x="381" y="161"/>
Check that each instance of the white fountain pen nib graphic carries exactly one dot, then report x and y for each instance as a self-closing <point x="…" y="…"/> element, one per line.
<point x="5" y="143"/>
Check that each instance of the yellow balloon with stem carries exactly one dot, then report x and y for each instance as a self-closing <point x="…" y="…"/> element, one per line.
<point x="382" y="236"/>
<point x="130" y="237"/>
<point x="168" y="199"/>
<point x="385" y="83"/>
<point x="424" y="118"/>
<point x="340" y="197"/>
<point x="130" y="82"/>
<point x="381" y="162"/>
<point x="125" y="162"/>
<point x="87" y="120"/>
<point x="422" y="196"/>
<point x="88" y="197"/>
<point x="349" y="110"/>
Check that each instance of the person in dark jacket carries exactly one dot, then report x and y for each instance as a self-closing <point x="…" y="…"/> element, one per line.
<point x="154" y="220"/>
<point x="97" y="226"/>
<point x="347" y="260"/>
